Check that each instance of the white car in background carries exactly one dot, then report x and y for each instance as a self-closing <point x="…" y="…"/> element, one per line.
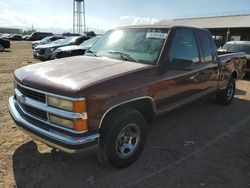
<point x="46" y="40"/>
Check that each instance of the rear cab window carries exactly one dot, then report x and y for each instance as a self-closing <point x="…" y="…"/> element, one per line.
<point x="206" y="47"/>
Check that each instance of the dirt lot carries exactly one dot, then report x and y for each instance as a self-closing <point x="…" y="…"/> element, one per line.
<point x="200" y="145"/>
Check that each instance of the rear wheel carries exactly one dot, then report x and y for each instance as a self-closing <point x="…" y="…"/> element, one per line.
<point x="123" y="138"/>
<point x="226" y="96"/>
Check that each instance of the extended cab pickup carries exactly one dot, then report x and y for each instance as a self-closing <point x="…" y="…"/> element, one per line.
<point x="108" y="97"/>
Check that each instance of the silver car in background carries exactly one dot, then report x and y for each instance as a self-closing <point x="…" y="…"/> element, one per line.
<point x="45" y="40"/>
<point x="46" y="51"/>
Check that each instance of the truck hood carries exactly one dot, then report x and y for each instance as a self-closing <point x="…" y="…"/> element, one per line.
<point x="72" y="47"/>
<point x="70" y="75"/>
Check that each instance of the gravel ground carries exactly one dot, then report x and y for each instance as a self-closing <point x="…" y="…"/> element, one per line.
<point x="199" y="145"/>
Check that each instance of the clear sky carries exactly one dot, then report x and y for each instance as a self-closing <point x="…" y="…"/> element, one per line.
<point x="107" y="14"/>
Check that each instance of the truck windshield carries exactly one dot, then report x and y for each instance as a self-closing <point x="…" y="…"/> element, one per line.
<point x="141" y="45"/>
<point x="88" y="43"/>
<point x="237" y="48"/>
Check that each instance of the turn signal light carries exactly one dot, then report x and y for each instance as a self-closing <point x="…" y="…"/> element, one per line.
<point x="79" y="106"/>
<point x="81" y="125"/>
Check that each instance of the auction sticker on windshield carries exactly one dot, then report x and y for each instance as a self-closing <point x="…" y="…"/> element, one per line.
<point x="156" y="35"/>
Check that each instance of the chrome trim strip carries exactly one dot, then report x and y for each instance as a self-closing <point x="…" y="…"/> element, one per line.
<point x="51" y="94"/>
<point x="71" y="151"/>
<point x="47" y="109"/>
<point x="134" y="99"/>
<point x="186" y="101"/>
<point x="53" y="135"/>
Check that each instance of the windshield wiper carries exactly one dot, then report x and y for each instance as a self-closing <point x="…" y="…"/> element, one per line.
<point x="92" y="52"/>
<point x="123" y="55"/>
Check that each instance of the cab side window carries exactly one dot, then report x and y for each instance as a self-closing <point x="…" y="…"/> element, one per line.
<point x="183" y="53"/>
<point x="207" y="49"/>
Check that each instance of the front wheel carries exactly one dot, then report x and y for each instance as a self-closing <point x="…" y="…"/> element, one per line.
<point x="226" y="96"/>
<point x="123" y="138"/>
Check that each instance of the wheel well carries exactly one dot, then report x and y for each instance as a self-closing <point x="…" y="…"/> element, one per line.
<point x="144" y="106"/>
<point x="234" y="75"/>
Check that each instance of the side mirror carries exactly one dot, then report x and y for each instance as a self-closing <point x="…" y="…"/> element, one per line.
<point x="181" y="64"/>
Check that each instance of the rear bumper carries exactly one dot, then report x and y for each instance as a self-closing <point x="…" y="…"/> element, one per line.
<point x="52" y="138"/>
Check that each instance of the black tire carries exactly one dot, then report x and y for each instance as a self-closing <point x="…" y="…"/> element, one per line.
<point x="58" y="55"/>
<point x="226" y="96"/>
<point x="247" y="75"/>
<point x="114" y="145"/>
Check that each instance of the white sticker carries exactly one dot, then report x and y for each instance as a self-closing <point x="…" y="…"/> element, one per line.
<point x="156" y="35"/>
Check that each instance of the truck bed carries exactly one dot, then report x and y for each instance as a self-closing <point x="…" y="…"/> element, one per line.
<point x="234" y="62"/>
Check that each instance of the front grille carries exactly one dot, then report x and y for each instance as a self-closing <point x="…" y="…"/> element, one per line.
<point x="32" y="94"/>
<point x="35" y="112"/>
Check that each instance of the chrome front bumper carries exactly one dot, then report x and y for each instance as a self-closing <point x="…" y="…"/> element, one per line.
<point x="66" y="143"/>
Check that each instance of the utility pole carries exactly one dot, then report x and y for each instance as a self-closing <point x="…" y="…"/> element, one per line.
<point x="79" y="22"/>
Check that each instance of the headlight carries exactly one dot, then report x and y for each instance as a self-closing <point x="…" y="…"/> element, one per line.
<point x="58" y="50"/>
<point x="52" y="49"/>
<point x="73" y="106"/>
<point x="78" y="125"/>
<point x="60" y="103"/>
<point x="61" y="121"/>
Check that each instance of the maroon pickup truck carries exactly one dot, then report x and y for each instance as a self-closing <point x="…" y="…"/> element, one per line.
<point x="108" y="97"/>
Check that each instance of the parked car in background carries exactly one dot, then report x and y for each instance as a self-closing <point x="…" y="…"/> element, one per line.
<point x="109" y="96"/>
<point x="15" y="37"/>
<point x="46" y="51"/>
<point x="25" y="37"/>
<point x="238" y="46"/>
<point x="39" y="35"/>
<point x="4" y="43"/>
<point x="5" y="36"/>
<point x="74" y="50"/>
<point x="45" y="40"/>
<point x="71" y="35"/>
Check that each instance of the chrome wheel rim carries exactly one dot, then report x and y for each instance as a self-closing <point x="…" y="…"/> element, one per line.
<point x="230" y="91"/>
<point x="1" y="48"/>
<point x="128" y="141"/>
